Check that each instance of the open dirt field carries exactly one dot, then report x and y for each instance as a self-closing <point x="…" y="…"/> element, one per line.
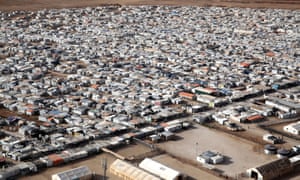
<point x="241" y="154"/>
<point x="9" y="5"/>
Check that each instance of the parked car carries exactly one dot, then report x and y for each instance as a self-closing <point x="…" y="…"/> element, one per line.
<point x="272" y="139"/>
<point x="234" y="127"/>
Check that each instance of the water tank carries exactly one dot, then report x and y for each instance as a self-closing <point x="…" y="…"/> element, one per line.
<point x="270" y="149"/>
<point x="282" y="153"/>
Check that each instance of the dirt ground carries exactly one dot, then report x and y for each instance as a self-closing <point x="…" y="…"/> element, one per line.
<point x="11" y="5"/>
<point x="255" y="134"/>
<point x="291" y="141"/>
<point x="132" y="150"/>
<point x="6" y="113"/>
<point x="94" y="163"/>
<point x="240" y="154"/>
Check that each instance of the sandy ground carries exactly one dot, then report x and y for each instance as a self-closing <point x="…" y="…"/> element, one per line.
<point x="184" y="168"/>
<point x="241" y="154"/>
<point x="10" y="5"/>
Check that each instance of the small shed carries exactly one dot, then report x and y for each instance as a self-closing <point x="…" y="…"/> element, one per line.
<point x="210" y="157"/>
<point x="154" y="138"/>
<point x="166" y="135"/>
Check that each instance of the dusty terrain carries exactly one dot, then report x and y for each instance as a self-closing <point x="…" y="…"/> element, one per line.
<point x="9" y="5"/>
<point x="241" y="154"/>
<point x="94" y="163"/>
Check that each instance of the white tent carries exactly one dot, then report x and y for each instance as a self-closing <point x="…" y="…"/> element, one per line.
<point x="82" y="172"/>
<point x="128" y="171"/>
<point x="160" y="170"/>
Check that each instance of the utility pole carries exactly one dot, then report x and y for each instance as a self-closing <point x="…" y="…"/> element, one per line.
<point x="104" y="167"/>
<point x="196" y="149"/>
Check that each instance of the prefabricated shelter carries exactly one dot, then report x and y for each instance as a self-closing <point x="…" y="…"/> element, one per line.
<point x="210" y="157"/>
<point x="80" y="173"/>
<point x="220" y="118"/>
<point x="196" y="108"/>
<point x="128" y="171"/>
<point x="154" y="138"/>
<point x="293" y="128"/>
<point x="271" y="170"/>
<point x="10" y="172"/>
<point x="159" y="169"/>
<point x="201" y="90"/>
<point x="187" y="95"/>
<point x="167" y="135"/>
<point x="254" y="118"/>
<point x="283" y="105"/>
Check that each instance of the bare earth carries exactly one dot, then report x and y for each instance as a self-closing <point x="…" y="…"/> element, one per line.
<point x="241" y="154"/>
<point x="11" y="5"/>
<point x="94" y="163"/>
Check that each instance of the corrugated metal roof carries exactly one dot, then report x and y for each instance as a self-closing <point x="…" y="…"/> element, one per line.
<point x="275" y="168"/>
